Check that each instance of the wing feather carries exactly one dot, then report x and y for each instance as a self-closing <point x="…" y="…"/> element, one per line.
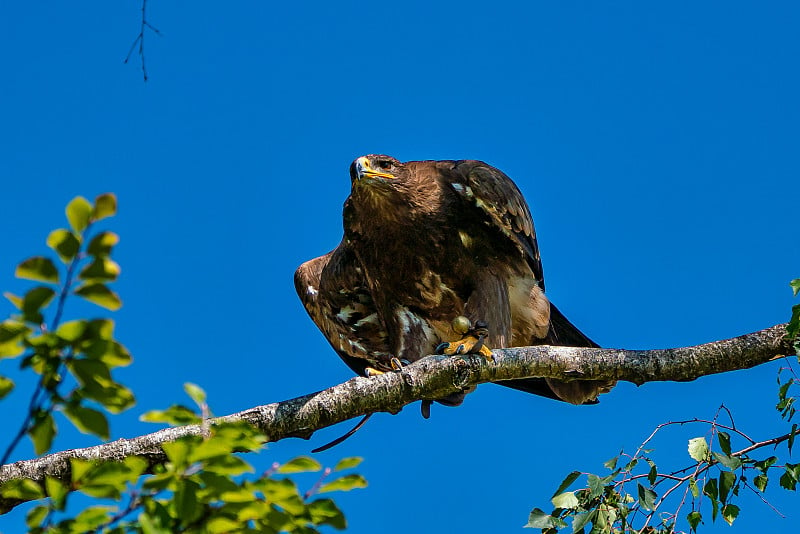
<point x="337" y="299"/>
<point x="498" y="197"/>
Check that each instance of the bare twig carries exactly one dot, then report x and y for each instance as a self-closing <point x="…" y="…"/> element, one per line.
<point x="144" y="26"/>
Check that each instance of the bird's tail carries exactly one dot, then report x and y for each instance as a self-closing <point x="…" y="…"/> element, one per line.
<point x="564" y="333"/>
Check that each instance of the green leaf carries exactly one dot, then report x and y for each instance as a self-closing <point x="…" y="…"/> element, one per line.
<point x="653" y="473"/>
<point x="79" y="211"/>
<point x="596" y="486"/>
<point x="105" y="205"/>
<point x="88" y="420"/>
<point x="97" y="384"/>
<point x="21" y="488"/>
<point x="64" y="243"/>
<point x="731" y="462"/>
<point x="11" y="334"/>
<point x="725" y="442"/>
<point x="795" y="285"/>
<point x="612" y="463"/>
<point x="102" y="268"/>
<point x="301" y="464"/>
<point x="793" y="328"/>
<point x="107" y="479"/>
<point x="761" y="482"/>
<point x="566" y="500"/>
<point x="726" y="481"/>
<point x="42" y="432"/>
<point x="102" y="243"/>
<point x="185" y="503"/>
<point x="792" y="435"/>
<point x="221" y="525"/>
<point x="572" y="477"/>
<point x="348" y="463"/>
<point x="36" y="299"/>
<point x="178" y="451"/>
<point x="227" y="465"/>
<point x="764" y="465"/>
<point x="788" y="479"/>
<point x="79" y="468"/>
<point x="72" y="331"/>
<point x="11" y="349"/>
<point x="581" y="520"/>
<point x="6" y="385"/>
<point x="698" y="449"/>
<point x="325" y="512"/>
<point x="195" y="392"/>
<point x="345" y="483"/>
<point x="647" y="497"/>
<point x="693" y="487"/>
<point x="92" y="518"/>
<point x="38" y="268"/>
<point x="11" y="330"/>
<point x="176" y="415"/>
<point x="111" y="353"/>
<point x="710" y="489"/>
<point x="539" y="519"/>
<point x="36" y="515"/>
<point x="57" y="492"/>
<point x="99" y="294"/>
<point x="729" y="513"/>
<point x="694" y="519"/>
<point x="151" y="523"/>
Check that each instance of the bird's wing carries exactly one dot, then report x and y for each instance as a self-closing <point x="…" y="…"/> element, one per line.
<point x="494" y="193"/>
<point x="337" y="299"/>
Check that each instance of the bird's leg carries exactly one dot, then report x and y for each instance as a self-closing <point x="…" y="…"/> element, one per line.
<point x="395" y="365"/>
<point x="472" y="340"/>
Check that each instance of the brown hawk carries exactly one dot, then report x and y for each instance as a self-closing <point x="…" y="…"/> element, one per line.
<point x="426" y="244"/>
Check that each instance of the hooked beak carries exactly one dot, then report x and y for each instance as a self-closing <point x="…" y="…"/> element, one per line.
<point x="364" y="169"/>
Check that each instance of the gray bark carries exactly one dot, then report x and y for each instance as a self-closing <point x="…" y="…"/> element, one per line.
<point x="432" y="378"/>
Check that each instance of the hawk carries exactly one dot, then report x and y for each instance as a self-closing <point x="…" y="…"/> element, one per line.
<point x="437" y="256"/>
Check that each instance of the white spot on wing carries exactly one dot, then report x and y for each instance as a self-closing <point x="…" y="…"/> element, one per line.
<point x="344" y="314"/>
<point x="466" y="240"/>
<point x="311" y="291"/>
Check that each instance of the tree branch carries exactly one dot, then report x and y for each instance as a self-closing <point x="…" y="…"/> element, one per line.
<point x="432" y="378"/>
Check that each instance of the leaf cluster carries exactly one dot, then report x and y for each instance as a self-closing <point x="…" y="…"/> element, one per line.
<point x="204" y="487"/>
<point x="640" y="497"/>
<point x="74" y="360"/>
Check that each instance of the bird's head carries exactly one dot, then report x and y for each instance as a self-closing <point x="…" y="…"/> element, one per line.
<point x="388" y="191"/>
<point x="376" y="169"/>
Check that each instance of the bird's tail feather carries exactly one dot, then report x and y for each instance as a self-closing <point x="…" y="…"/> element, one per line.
<point x="562" y="333"/>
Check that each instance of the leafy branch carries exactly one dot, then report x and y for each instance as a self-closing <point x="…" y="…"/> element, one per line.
<point x="717" y="475"/>
<point x="83" y="350"/>
<point x="199" y="485"/>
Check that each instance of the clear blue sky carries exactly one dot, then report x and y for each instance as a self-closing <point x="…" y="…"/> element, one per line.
<point x="656" y="144"/>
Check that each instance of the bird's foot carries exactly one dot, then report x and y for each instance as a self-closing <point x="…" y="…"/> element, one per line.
<point x="394" y="365"/>
<point x="471" y="342"/>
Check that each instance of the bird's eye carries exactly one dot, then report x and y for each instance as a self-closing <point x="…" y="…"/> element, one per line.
<point x="384" y="164"/>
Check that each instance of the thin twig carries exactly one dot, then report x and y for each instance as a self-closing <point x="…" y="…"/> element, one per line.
<point x="143" y="27"/>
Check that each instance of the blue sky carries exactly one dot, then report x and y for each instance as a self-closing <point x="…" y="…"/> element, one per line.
<point x="656" y="145"/>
